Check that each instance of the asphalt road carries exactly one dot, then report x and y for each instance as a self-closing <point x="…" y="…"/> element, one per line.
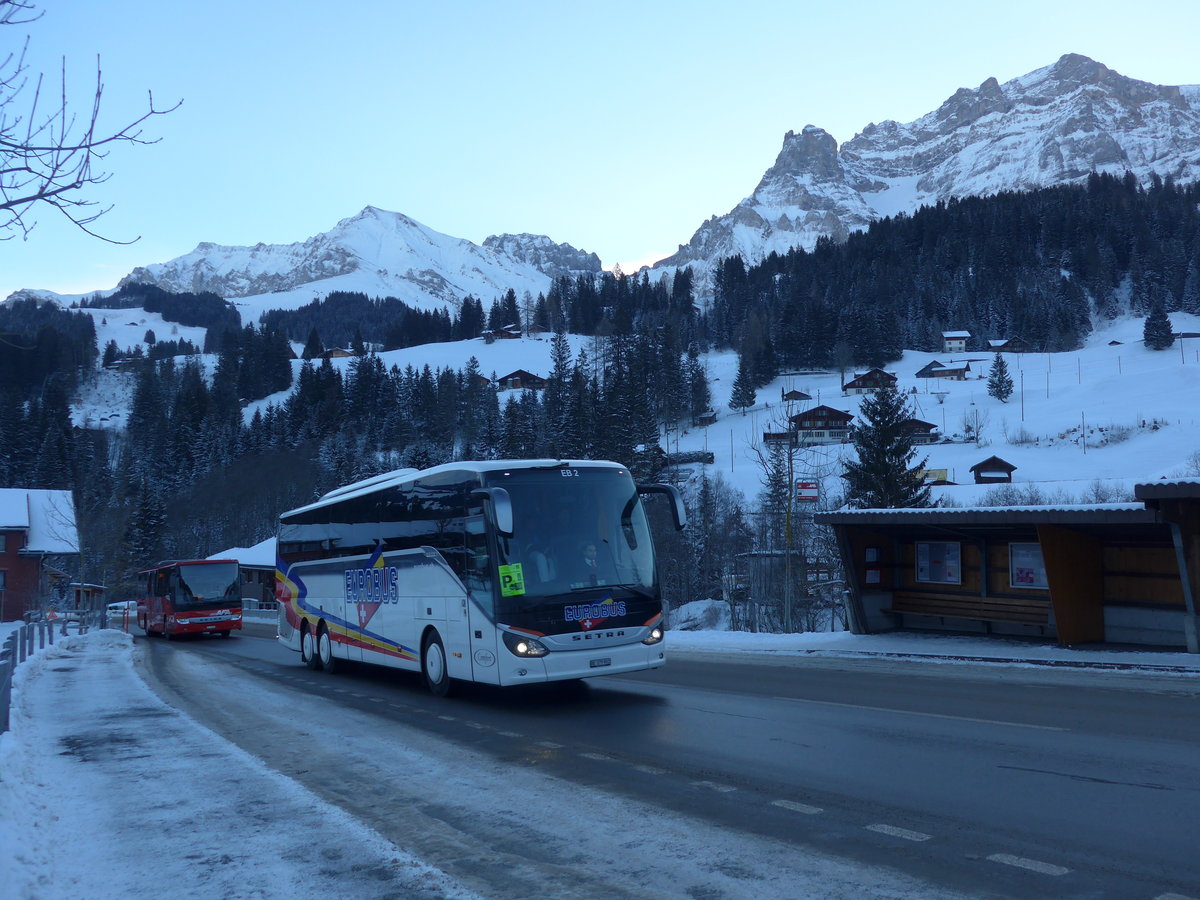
<point x="992" y="780"/>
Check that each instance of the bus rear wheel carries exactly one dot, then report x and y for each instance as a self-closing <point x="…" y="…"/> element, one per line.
<point x="325" y="650"/>
<point x="433" y="665"/>
<point x="308" y="649"/>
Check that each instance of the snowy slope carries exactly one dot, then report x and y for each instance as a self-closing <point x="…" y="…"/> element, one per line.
<point x="1107" y="416"/>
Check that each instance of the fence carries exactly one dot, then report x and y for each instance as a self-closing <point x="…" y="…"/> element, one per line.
<point x="24" y="642"/>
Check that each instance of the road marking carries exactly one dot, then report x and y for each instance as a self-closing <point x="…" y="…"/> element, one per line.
<point x="1033" y="865"/>
<point x="1174" y="897"/>
<point x="550" y="745"/>
<point x="477" y="725"/>
<point x="900" y="832"/>
<point x="913" y="712"/>
<point x="798" y="807"/>
<point x="448" y="718"/>
<point x="713" y="786"/>
<point x="511" y="734"/>
<point x="651" y="770"/>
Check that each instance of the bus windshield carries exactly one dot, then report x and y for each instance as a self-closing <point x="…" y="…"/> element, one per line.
<point x="575" y="529"/>
<point x="206" y="584"/>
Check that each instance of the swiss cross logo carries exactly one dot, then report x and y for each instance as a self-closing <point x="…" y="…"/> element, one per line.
<point x="587" y="624"/>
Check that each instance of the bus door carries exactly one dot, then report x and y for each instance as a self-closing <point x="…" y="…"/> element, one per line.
<point x="478" y="578"/>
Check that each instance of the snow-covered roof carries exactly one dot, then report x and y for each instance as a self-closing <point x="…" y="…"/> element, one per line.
<point x="47" y="516"/>
<point x="404" y="476"/>
<point x="1167" y="490"/>
<point x="261" y="554"/>
<point x="1081" y="513"/>
<point x="956" y="334"/>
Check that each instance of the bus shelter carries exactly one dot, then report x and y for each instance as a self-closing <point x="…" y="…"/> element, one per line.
<point x="1120" y="573"/>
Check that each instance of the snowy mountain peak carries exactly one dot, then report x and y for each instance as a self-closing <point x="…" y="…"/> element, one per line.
<point x="1052" y="126"/>
<point x="539" y="251"/>
<point x="377" y="252"/>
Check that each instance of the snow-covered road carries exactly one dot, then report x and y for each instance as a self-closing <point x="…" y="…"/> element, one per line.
<point x="108" y="792"/>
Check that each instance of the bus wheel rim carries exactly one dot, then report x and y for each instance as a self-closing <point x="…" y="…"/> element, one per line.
<point x="435" y="665"/>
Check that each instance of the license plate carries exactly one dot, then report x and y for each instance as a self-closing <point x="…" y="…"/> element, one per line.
<point x="600" y="663"/>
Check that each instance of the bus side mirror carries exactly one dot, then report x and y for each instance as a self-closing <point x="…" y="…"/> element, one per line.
<point x="502" y="514"/>
<point x="678" y="510"/>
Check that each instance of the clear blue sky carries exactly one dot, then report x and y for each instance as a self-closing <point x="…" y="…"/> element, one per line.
<point x="618" y="127"/>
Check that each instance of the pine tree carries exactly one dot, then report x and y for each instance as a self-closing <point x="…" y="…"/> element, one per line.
<point x="313" y="348"/>
<point x="743" y="395"/>
<point x="1000" y="383"/>
<point x="1157" y="330"/>
<point x="883" y="476"/>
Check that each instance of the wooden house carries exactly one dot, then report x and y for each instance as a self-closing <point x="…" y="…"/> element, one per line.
<point x="868" y="381"/>
<point x="951" y="371"/>
<point x="822" y="425"/>
<point x="993" y="470"/>
<point x="793" y="396"/>
<point x="35" y="525"/>
<point x="520" y="380"/>
<point x="790" y="438"/>
<point x="920" y="432"/>
<point x="1010" y="345"/>
<point x="506" y="333"/>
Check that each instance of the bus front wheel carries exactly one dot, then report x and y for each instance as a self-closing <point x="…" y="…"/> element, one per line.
<point x="325" y="650"/>
<point x="433" y="665"/>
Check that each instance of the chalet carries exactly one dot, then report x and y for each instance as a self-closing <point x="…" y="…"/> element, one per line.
<point x="993" y="470"/>
<point x="1122" y="573"/>
<point x="35" y="526"/>
<point x="951" y="371"/>
<point x="822" y="425"/>
<point x="338" y="353"/>
<point x="868" y="381"/>
<point x="792" y="396"/>
<point x="790" y="438"/>
<point x="506" y="333"/>
<point x="708" y="417"/>
<point x="520" y="380"/>
<point x="955" y="341"/>
<point x="1010" y="345"/>
<point x="925" y="372"/>
<point x="920" y="432"/>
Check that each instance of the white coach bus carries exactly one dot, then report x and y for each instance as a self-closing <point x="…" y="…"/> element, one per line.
<point x="504" y="572"/>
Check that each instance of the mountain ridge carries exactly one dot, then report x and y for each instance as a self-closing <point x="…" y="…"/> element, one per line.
<point x="1051" y="126"/>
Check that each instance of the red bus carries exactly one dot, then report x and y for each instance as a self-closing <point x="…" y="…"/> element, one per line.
<point x="201" y="596"/>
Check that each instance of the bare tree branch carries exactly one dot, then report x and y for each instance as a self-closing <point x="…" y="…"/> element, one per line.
<point x="49" y="157"/>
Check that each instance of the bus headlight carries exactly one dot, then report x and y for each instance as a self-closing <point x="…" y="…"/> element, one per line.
<point x="523" y="645"/>
<point x="655" y="635"/>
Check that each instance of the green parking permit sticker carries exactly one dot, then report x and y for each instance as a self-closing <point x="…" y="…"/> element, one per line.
<point x="512" y="580"/>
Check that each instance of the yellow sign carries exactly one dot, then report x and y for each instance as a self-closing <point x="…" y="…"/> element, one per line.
<point x="512" y="580"/>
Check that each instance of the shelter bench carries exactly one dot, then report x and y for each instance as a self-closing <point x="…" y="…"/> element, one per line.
<point x="1023" y="610"/>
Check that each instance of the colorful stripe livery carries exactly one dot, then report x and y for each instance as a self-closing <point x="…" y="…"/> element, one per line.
<point x="292" y="593"/>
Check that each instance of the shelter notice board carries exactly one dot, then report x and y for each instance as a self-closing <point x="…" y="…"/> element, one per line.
<point x="939" y="562"/>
